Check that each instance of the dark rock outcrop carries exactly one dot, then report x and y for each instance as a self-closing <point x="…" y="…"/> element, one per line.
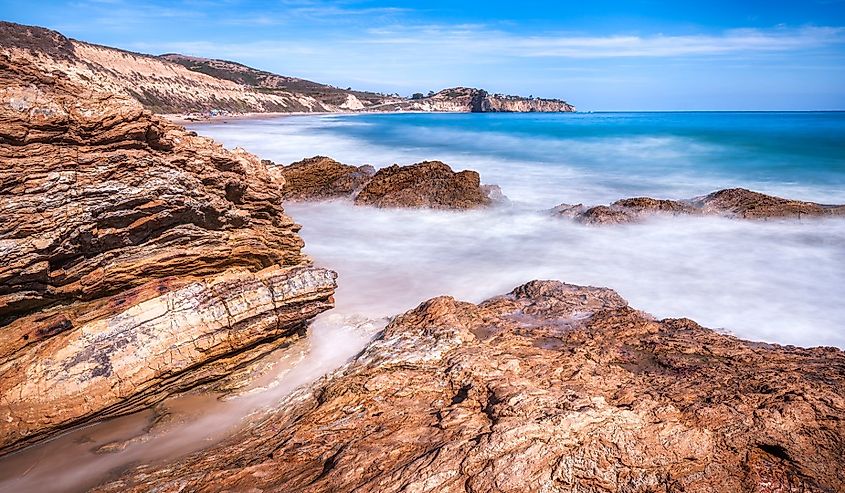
<point x="138" y="258"/>
<point x="321" y="178"/>
<point x="429" y="184"/>
<point x="553" y="387"/>
<point x="733" y="202"/>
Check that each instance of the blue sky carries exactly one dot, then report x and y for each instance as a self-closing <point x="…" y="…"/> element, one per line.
<point x="597" y="54"/>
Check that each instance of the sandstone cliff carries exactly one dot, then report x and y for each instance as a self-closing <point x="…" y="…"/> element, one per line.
<point x="174" y="83"/>
<point x="138" y="259"/>
<point x="158" y="84"/>
<point x="731" y="202"/>
<point x="329" y="96"/>
<point x="553" y="387"/>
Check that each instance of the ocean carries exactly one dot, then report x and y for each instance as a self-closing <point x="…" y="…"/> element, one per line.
<point x="772" y="281"/>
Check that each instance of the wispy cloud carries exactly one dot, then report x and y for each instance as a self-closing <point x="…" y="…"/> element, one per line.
<point x="480" y="40"/>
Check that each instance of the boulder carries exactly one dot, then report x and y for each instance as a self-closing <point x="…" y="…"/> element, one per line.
<point x="733" y="202"/>
<point x="321" y="178"/>
<point x="430" y="184"/>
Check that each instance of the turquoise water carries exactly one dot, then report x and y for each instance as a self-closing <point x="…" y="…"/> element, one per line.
<point x="775" y="281"/>
<point x="544" y="159"/>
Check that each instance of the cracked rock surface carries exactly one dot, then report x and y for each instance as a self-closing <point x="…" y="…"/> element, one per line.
<point x="553" y="387"/>
<point x="138" y="258"/>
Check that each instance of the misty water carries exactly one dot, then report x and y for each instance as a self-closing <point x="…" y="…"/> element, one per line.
<point x="773" y="281"/>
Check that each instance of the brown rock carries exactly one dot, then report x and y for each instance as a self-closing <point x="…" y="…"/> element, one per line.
<point x="138" y="258"/>
<point x="734" y="202"/>
<point x="320" y="178"/>
<point x="553" y="387"/>
<point x="739" y="202"/>
<point x="602" y="214"/>
<point x="649" y="205"/>
<point x="428" y="184"/>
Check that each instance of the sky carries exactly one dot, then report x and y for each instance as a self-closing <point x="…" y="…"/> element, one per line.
<point x="600" y="55"/>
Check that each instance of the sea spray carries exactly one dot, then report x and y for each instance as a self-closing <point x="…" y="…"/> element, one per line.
<point x="83" y="458"/>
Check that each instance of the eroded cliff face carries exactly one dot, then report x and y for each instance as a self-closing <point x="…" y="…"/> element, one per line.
<point x="553" y="387"/>
<point x="472" y="100"/>
<point x="176" y="83"/>
<point x="138" y="258"/>
<point x="158" y="84"/>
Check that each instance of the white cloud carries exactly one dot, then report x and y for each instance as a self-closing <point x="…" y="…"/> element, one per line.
<point x="479" y="40"/>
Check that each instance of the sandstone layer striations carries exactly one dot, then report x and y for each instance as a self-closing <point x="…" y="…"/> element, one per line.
<point x="138" y="258"/>
<point x="553" y="387"/>
<point x="732" y="202"/>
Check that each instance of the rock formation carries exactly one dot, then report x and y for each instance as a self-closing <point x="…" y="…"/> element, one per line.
<point x="320" y="178"/>
<point x="174" y="83"/>
<point x="552" y="387"/>
<point x="468" y="99"/>
<point x="732" y="202"/>
<point x="138" y="258"/>
<point x="428" y="184"/>
<point x="739" y="202"/>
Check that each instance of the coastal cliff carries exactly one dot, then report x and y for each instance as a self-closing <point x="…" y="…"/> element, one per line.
<point x="553" y="387"/>
<point x="138" y="258"/>
<point x="471" y="100"/>
<point x="174" y="83"/>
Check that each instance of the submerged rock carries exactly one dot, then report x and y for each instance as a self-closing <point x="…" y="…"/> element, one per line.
<point x="320" y="178"/>
<point x="553" y="387"/>
<point x="733" y="202"/>
<point x="430" y="184"/>
<point x="138" y="258"/>
<point x="739" y="202"/>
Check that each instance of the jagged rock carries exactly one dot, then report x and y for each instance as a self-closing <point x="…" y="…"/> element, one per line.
<point x="602" y="214"/>
<point x="138" y="258"/>
<point x="650" y="205"/>
<point x="733" y="202"/>
<point x="428" y="184"/>
<point x="320" y="178"/>
<point x="553" y="387"/>
<point x="739" y="202"/>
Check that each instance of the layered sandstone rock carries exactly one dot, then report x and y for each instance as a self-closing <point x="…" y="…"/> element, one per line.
<point x="553" y="387"/>
<point x="138" y="258"/>
<point x="733" y="202"/>
<point x="429" y="184"/>
<point x="320" y="178"/>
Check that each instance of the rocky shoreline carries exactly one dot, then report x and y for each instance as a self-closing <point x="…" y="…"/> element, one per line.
<point x="143" y="261"/>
